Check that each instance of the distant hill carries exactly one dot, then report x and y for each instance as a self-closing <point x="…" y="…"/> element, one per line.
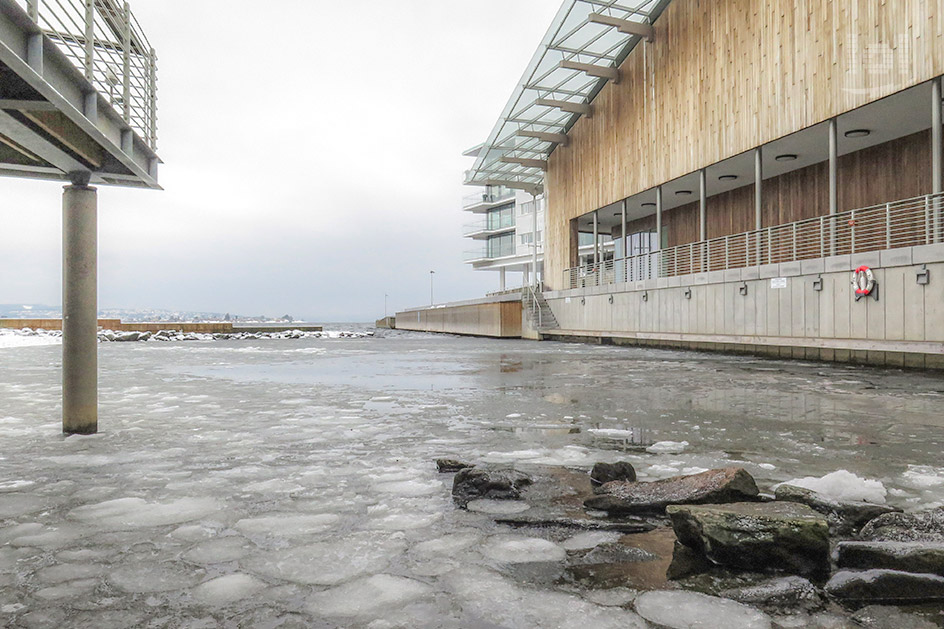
<point x="41" y="311"/>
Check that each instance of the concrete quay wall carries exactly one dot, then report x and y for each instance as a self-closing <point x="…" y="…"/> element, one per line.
<point x="498" y="317"/>
<point x="775" y="310"/>
<point x="118" y="326"/>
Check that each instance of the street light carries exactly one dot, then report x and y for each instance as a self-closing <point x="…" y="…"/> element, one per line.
<point x="385" y="305"/>
<point x="431" y="273"/>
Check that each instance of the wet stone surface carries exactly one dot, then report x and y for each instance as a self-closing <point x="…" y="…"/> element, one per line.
<point x="292" y="482"/>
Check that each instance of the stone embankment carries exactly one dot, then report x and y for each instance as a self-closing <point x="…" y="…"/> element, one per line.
<point x="109" y="336"/>
<point x="790" y="557"/>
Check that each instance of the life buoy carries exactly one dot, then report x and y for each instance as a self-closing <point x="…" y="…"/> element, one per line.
<point x="863" y="281"/>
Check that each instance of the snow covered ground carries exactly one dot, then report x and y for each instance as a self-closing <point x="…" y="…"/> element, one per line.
<point x="291" y="483"/>
<point x="27" y="338"/>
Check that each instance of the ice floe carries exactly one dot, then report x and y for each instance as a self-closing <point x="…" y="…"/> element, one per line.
<point x="668" y="447"/>
<point x="843" y="485"/>
<point x="691" y="610"/>
<point x="371" y="596"/>
<point x="511" y="549"/>
<point x="227" y="589"/>
<point x="131" y="513"/>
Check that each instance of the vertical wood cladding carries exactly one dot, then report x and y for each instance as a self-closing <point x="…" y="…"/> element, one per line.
<point x="724" y="76"/>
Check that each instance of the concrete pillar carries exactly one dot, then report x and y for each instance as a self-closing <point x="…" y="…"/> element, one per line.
<point x="501" y="278"/>
<point x="80" y="309"/>
<point x="833" y="182"/>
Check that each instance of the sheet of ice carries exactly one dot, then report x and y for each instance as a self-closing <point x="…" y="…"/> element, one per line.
<point x="843" y="485"/>
<point x="287" y="524"/>
<point x="614" y="597"/>
<point x="132" y="513"/>
<point x="667" y="447"/>
<point x="447" y="545"/>
<point x="692" y="610"/>
<point x="485" y="595"/>
<point x="71" y="589"/>
<point x="923" y="476"/>
<point x="218" y="551"/>
<point x="227" y="589"/>
<point x="61" y="573"/>
<point x="590" y="539"/>
<point x="142" y="577"/>
<point x="498" y="507"/>
<point x="512" y="549"/>
<point x="369" y="597"/>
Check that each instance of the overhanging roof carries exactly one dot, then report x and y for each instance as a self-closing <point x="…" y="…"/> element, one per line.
<point x="583" y="32"/>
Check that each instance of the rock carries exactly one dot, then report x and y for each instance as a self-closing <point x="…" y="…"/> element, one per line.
<point x="731" y="484"/>
<point x="923" y="557"/>
<point x="612" y="553"/>
<point x="447" y="466"/>
<point x="819" y="620"/>
<point x="792" y="593"/>
<point x="608" y="472"/>
<point x="885" y="586"/>
<point x="880" y="617"/>
<point x="923" y="526"/>
<point x="691" y="610"/>
<point x="781" y="536"/>
<point x="845" y="518"/>
<point x="472" y="483"/>
<point x="686" y="562"/>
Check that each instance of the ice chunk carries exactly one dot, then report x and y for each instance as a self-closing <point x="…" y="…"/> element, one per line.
<point x="68" y="590"/>
<point x="227" y="589"/>
<point x="667" y="447"/>
<point x="923" y="476"/>
<point x="590" y="539"/>
<point x="13" y="505"/>
<point x="405" y="521"/>
<point x="143" y="577"/>
<point x="287" y="525"/>
<point x="130" y="513"/>
<point x="498" y="507"/>
<point x="843" y="486"/>
<point x="218" y="551"/>
<point x="691" y="610"/>
<point x="68" y="572"/>
<point x="510" y="549"/>
<point x="615" y="597"/>
<point x="410" y="488"/>
<point x="368" y="597"/>
<point x="447" y="545"/>
<point x="327" y="563"/>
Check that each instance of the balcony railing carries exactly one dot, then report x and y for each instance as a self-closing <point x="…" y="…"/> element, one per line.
<point x="906" y="223"/>
<point x="486" y="225"/>
<point x="487" y="196"/>
<point x="106" y="44"/>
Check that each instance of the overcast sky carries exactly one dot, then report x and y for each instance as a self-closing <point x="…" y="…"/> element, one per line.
<point x="312" y="157"/>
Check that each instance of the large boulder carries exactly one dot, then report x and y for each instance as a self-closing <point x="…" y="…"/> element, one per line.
<point x="923" y="526"/>
<point x="925" y="557"/>
<point x="603" y="473"/>
<point x="845" y="517"/>
<point x="730" y="484"/>
<point x="472" y="483"/>
<point x="779" y="536"/>
<point x="885" y="586"/>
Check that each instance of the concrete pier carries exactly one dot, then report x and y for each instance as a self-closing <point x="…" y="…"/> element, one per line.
<point x="79" y="310"/>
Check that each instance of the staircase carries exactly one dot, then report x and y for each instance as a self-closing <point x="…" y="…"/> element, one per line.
<point x="537" y="310"/>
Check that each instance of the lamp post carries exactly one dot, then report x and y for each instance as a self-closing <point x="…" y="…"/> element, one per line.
<point x="431" y="274"/>
<point x="385" y="305"/>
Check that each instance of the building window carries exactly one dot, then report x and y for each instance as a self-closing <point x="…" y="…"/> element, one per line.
<point x="500" y="246"/>
<point x="501" y="217"/>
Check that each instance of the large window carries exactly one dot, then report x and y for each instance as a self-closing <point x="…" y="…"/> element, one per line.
<point x="501" y="217"/>
<point x="500" y="246"/>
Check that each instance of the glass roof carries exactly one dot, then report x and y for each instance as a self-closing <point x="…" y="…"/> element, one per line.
<point x="575" y="35"/>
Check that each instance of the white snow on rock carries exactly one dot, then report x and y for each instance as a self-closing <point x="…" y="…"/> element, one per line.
<point x="488" y="596"/>
<point x="667" y="447"/>
<point x="28" y="338"/>
<point x="144" y="578"/>
<point x="287" y="525"/>
<point x="691" y="610"/>
<point x="132" y="513"/>
<point x="510" y="549"/>
<point x="843" y="486"/>
<point x="498" y="507"/>
<point x="370" y="597"/>
<point x="590" y="539"/>
<point x="227" y="589"/>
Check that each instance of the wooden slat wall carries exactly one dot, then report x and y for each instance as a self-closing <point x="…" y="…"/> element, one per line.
<point x="724" y="76"/>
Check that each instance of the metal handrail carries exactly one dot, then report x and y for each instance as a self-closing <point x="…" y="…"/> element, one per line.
<point x="535" y="306"/>
<point x="905" y="223"/>
<point x="105" y="42"/>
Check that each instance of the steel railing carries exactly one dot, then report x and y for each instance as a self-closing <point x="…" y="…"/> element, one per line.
<point x="106" y="43"/>
<point x="905" y="223"/>
<point x="491" y="196"/>
<point x="485" y="225"/>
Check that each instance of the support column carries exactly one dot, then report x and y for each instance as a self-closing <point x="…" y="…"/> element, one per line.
<point x="596" y="239"/>
<point x="758" y="188"/>
<point x="80" y="308"/>
<point x="703" y="217"/>
<point x="534" y="237"/>
<point x="623" y="234"/>
<point x="833" y="183"/>
<point x="937" y="156"/>
<point x="659" y="217"/>
<point x="501" y="279"/>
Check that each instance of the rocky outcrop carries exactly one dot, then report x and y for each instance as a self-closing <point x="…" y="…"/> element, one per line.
<point x="845" y="518"/>
<point x="922" y="557"/>
<point x="787" y="593"/>
<point x="885" y="586"/>
<point x="603" y="473"/>
<point x="731" y="484"/>
<point x="923" y="526"/>
<point x="473" y="483"/>
<point x="448" y="466"/>
<point x="779" y="536"/>
<point x="883" y="617"/>
<point x="686" y="562"/>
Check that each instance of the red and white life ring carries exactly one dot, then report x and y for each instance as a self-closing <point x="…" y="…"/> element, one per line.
<point x="863" y="281"/>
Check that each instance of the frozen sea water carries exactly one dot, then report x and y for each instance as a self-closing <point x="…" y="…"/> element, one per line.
<point x="291" y="482"/>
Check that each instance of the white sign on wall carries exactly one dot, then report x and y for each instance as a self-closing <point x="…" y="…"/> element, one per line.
<point x="778" y="282"/>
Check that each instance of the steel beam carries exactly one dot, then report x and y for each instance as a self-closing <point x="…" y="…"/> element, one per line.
<point x="564" y="105"/>
<point x="603" y="72"/>
<point x="34" y="143"/>
<point x="523" y="161"/>
<point x="623" y="26"/>
<point x="555" y="138"/>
